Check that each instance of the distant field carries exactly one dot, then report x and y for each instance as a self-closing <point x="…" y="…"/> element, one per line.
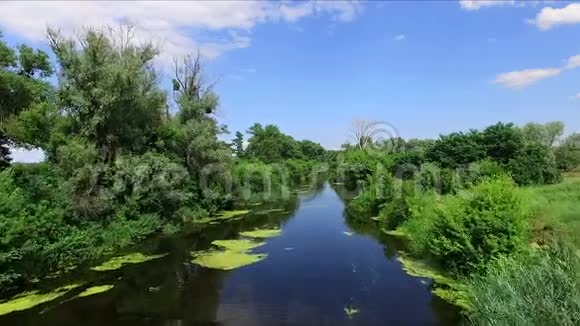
<point x="558" y="209"/>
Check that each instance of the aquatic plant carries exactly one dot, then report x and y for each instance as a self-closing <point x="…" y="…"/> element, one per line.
<point x="443" y="286"/>
<point x="29" y="300"/>
<point x="262" y="233"/>
<point x="95" y="290"/>
<point x="351" y="311"/>
<point x="223" y="216"/>
<point x="239" y="245"/>
<point x="118" y="262"/>
<point x="226" y="260"/>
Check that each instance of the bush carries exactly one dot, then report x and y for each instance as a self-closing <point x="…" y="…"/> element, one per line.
<point x="534" y="165"/>
<point x="398" y="209"/>
<point x="473" y="228"/>
<point x="380" y="190"/>
<point x="537" y="289"/>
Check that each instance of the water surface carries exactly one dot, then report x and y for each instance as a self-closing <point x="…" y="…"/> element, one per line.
<point x="323" y="261"/>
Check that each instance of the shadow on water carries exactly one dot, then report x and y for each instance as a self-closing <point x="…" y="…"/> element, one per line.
<point x="323" y="262"/>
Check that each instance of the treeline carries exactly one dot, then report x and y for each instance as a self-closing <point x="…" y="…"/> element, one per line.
<point x="124" y="158"/>
<point x="457" y="202"/>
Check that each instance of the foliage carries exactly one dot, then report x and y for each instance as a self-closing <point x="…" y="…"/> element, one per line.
<point x="238" y="145"/>
<point x="543" y="134"/>
<point x="473" y="228"/>
<point x="457" y="149"/>
<point x="540" y="288"/>
<point x="568" y="153"/>
<point x="534" y="164"/>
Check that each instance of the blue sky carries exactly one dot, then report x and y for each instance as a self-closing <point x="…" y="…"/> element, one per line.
<point x="311" y="68"/>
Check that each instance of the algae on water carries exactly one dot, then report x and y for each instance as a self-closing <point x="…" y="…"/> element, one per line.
<point x="95" y="290"/>
<point x="118" y="262"/>
<point x="223" y="216"/>
<point x="226" y="260"/>
<point x="240" y="245"/>
<point x="29" y="300"/>
<point x="262" y="233"/>
<point x="444" y="286"/>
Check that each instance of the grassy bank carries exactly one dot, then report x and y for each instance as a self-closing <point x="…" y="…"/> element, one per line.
<point x="535" y="283"/>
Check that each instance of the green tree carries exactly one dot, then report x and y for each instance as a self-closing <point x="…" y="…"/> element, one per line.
<point x="108" y="90"/>
<point x="238" y="144"/>
<point x="311" y="150"/>
<point x="502" y="142"/>
<point x="22" y="73"/>
<point x="270" y="145"/>
<point x="543" y="134"/>
<point x="456" y="149"/>
<point x="568" y="153"/>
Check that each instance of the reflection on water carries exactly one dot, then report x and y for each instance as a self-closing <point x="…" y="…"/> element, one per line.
<point x="326" y="270"/>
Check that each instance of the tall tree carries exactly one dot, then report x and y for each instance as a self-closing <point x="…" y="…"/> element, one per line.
<point x="22" y="73"/>
<point x="238" y="144"/>
<point x="543" y="134"/>
<point x="108" y="89"/>
<point x="365" y="133"/>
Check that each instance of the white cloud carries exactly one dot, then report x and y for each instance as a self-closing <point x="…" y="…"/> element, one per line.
<point x="179" y="27"/>
<point x="478" y="4"/>
<point x="524" y="78"/>
<point x="550" y="17"/>
<point x="473" y="5"/>
<point x="573" y="62"/>
<point x="527" y="77"/>
<point x="399" y="37"/>
<point x="576" y="97"/>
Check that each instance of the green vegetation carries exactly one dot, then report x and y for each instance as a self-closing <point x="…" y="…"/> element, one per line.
<point x="28" y="300"/>
<point x="227" y="259"/>
<point x="124" y="158"/>
<point x="118" y="262"/>
<point x="95" y="290"/>
<point x="471" y="226"/>
<point x="262" y="233"/>
<point x="240" y="245"/>
<point x="538" y="289"/>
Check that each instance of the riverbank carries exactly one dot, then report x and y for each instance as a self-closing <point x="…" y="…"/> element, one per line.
<point x="554" y="219"/>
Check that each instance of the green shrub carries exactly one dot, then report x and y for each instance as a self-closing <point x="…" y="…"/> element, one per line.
<point x="473" y="228"/>
<point x="379" y="190"/>
<point x="535" y="164"/>
<point x="398" y="209"/>
<point x="537" y="289"/>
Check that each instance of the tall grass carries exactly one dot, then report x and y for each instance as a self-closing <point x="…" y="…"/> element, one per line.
<point x="537" y="289"/>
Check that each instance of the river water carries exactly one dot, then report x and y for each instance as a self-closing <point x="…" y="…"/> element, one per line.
<point x="322" y="262"/>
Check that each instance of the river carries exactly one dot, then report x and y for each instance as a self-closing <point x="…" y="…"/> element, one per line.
<point x="321" y="263"/>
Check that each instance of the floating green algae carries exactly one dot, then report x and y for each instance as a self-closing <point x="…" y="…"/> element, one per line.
<point x="28" y="300"/>
<point x="118" y="262"/>
<point x="223" y="216"/>
<point x="272" y="210"/>
<point x="95" y="290"/>
<point x="226" y="260"/>
<point x="240" y="245"/>
<point x="444" y="286"/>
<point x="262" y="233"/>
